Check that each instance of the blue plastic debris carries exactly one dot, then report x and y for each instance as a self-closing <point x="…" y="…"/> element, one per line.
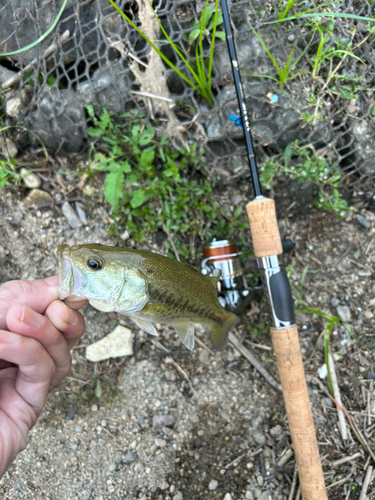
<point x="275" y="98"/>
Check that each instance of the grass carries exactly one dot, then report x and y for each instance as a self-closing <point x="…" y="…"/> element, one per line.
<point x="200" y="74"/>
<point x="154" y="188"/>
<point x="284" y="71"/>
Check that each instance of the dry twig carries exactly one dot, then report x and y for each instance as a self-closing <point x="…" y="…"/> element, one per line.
<point x="254" y="361"/>
<point x="336" y="393"/>
<point x="366" y="482"/>
<point x="294" y="483"/>
<point x="183" y="373"/>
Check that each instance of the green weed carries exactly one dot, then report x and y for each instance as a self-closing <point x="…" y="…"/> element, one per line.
<point x="152" y="187"/>
<point x="307" y="165"/>
<point x="206" y="25"/>
<point x="200" y="72"/>
<point x="325" y="52"/>
<point x="284" y="71"/>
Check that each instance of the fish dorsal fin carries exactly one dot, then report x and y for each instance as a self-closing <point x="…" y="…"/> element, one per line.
<point x="145" y="325"/>
<point x="215" y="277"/>
<point x="102" y="305"/>
<point x="185" y="331"/>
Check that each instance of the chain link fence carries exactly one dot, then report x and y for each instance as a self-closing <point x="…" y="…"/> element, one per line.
<point x="93" y="56"/>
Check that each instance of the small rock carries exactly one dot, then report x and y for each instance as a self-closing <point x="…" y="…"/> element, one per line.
<point x="130" y="457"/>
<point x="228" y="496"/>
<point x="335" y="302"/>
<point x="16" y="219"/>
<point x="322" y="371"/>
<point x="364" y="222"/>
<point x="236" y="199"/>
<point x="70" y="415"/>
<point x="344" y="313"/>
<point x="37" y="197"/>
<point x="327" y="402"/>
<point x="140" y="417"/>
<point x="162" y="443"/>
<point x="73" y="219"/>
<point x="351" y="108"/>
<point x="265" y="496"/>
<point x="163" y="420"/>
<point x="276" y="431"/>
<point x="94" y="408"/>
<point x="112" y="467"/>
<point x="260" y="480"/>
<point x="368" y="314"/>
<point x="260" y="438"/>
<point x="213" y="485"/>
<point x="249" y="495"/>
<point x="178" y="496"/>
<point x="78" y="428"/>
<point x="117" y="344"/>
<point x="8" y="148"/>
<point x="81" y="213"/>
<point x="30" y="179"/>
<point x="164" y="485"/>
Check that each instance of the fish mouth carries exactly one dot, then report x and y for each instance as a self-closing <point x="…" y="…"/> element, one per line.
<point x="70" y="278"/>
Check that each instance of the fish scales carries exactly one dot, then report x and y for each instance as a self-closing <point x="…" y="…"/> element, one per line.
<point x="147" y="287"/>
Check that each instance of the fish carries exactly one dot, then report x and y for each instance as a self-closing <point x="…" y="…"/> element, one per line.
<point x="147" y="287"/>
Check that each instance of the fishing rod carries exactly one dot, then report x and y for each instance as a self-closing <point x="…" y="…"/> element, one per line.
<point x="267" y="246"/>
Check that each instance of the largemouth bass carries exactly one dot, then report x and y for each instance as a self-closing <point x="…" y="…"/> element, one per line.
<point x="147" y="287"/>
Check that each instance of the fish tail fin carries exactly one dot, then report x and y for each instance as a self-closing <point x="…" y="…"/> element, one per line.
<point x="219" y="332"/>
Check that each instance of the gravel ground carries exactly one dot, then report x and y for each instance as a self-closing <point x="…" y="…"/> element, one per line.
<point x="173" y="424"/>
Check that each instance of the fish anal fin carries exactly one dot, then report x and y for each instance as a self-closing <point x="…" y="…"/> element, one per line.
<point x="185" y="330"/>
<point x="145" y="325"/>
<point x="219" y="332"/>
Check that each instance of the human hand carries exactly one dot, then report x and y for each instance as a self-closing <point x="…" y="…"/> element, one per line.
<point x="37" y="332"/>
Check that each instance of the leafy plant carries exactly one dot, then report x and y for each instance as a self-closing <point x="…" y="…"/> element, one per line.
<point x="200" y="73"/>
<point x="284" y="72"/>
<point x="206" y="25"/>
<point x="152" y="187"/>
<point x="307" y="165"/>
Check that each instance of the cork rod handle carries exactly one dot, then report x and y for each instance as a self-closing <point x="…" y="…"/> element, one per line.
<point x="266" y="240"/>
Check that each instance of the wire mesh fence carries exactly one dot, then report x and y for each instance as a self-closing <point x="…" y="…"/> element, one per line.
<point x="93" y="56"/>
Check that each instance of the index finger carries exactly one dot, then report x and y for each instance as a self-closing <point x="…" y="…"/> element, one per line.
<point x="36" y="294"/>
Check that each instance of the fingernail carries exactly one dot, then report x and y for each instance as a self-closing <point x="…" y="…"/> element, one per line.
<point x="8" y="337"/>
<point x="51" y="281"/>
<point x="32" y="318"/>
<point x="73" y="318"/>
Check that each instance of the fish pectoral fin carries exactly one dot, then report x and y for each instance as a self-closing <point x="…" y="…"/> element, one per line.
<point x="215" y="277"/>
<point x="185" y="330"/>
<point x="145" y="325"/>
<point x="101" y="305"/>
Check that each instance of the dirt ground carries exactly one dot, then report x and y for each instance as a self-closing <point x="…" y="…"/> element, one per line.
<point x="222" y="433"/>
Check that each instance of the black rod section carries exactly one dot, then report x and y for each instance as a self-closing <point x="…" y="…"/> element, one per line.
<point x="241" y="100"/>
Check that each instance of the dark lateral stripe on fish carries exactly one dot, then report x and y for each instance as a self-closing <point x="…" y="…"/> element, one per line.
<point x="170" y="299"/>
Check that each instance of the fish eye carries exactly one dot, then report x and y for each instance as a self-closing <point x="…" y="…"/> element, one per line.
<point x="95" y="263"/>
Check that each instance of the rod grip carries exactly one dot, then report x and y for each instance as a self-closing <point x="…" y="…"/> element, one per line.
<point x="292" y="376"/>
<point x="263" y="225"/>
